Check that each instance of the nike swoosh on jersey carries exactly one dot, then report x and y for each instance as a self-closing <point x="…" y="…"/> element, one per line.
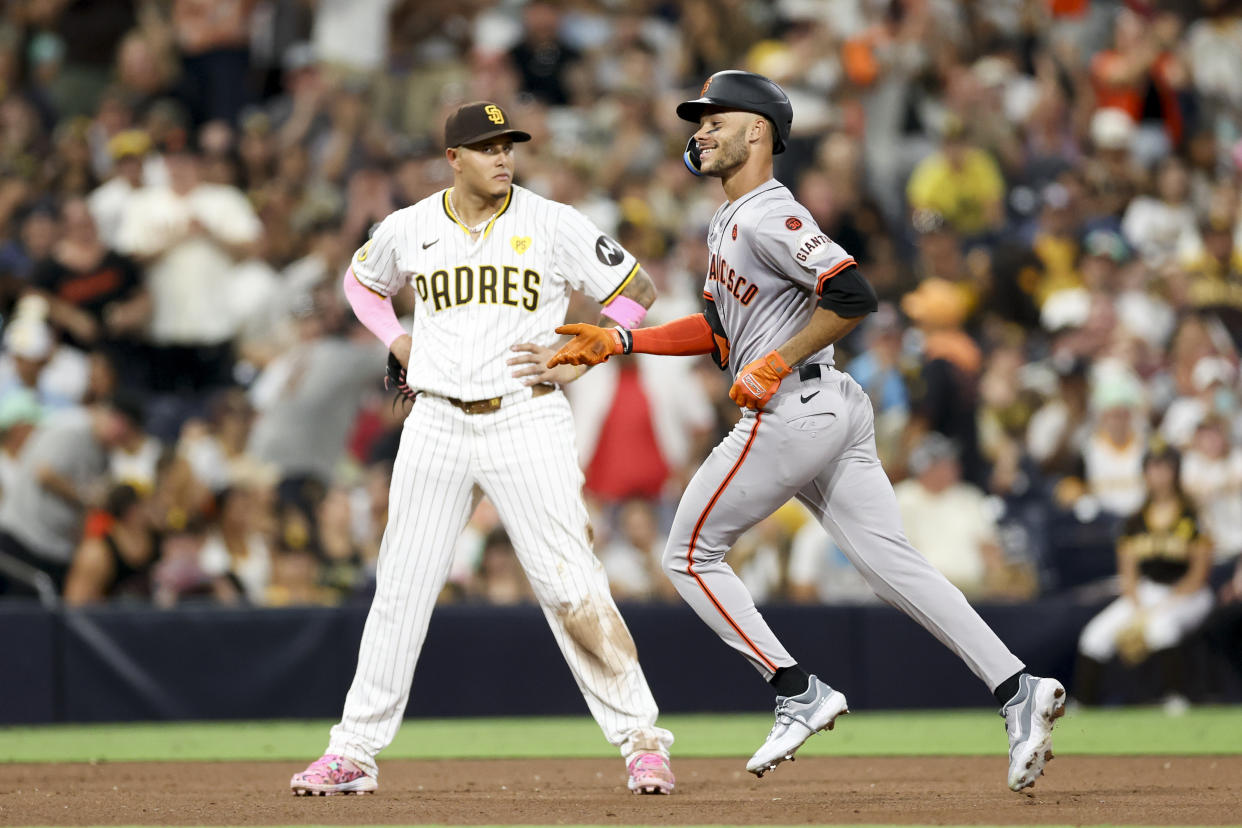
<point x="808" y="397"/>
<point x="429" y="244"/>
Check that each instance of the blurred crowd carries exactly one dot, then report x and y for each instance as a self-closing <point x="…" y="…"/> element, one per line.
<point x="1045" y="194"/>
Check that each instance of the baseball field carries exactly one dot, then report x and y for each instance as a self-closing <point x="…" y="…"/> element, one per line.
<point x="1123" y="767"/>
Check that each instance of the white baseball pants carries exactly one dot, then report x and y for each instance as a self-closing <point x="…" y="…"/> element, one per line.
<point x="523" y="458"/>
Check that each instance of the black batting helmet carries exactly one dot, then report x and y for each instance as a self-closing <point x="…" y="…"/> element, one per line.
<point x="748" y="92"/>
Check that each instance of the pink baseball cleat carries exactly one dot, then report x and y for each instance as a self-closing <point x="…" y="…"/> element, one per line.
<point x="650" y="774"/>
<point x="330" y="775"/>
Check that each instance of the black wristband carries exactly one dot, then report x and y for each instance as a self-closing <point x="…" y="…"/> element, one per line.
<point x="627" y="340"/>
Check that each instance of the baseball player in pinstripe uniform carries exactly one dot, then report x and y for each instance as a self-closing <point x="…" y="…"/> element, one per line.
<point x="779" y="293"/>
<point x="492" y="265"/>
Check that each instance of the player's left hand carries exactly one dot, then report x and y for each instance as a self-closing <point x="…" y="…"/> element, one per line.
<point x="532" y="362"/>
<point x="758" y="381"/>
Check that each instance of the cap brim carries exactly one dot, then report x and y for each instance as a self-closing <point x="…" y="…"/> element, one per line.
<point x="692" y="111"/>
<point x="516" y="135"/>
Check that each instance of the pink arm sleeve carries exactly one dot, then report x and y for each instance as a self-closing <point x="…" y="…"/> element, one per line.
<point x="373" y="311"/>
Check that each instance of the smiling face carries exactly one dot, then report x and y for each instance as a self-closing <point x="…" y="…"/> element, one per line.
<point x="485" y="168"/>
<point x="726" y="138"/>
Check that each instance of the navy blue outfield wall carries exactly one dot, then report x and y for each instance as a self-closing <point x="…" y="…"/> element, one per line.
<point x="131" y="663"/>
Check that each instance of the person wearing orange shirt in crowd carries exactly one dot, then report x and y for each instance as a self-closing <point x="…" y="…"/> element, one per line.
<point x="1142" y="76"/>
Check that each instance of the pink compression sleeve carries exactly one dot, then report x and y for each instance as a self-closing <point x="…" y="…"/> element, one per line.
<point x="625" y="312"/>
<point x="373" y="311"/>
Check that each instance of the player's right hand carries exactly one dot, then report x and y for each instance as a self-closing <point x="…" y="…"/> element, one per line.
<point x="590" y="345"/>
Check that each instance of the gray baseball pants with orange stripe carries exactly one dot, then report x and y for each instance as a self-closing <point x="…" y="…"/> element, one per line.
<point x="815" y="440"/>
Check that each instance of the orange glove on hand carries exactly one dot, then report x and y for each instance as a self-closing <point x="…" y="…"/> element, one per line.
<point x="758" y="381"/>
<point x="590" y="345"/>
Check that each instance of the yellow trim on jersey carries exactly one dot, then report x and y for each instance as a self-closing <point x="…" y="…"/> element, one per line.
<point x="448" y="211"/>
<point x="624" y="282"/>
<point x="364" y="284"/>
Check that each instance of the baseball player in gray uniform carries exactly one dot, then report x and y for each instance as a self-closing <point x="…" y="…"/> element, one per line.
<point x="778" y="294"/>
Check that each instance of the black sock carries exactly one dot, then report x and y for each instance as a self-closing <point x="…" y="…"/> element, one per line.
<point x="1007" y="689"/>
<point x="790" y="681"/>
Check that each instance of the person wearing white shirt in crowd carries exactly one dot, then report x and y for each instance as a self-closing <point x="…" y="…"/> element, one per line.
<point x="819" y="572"/>
<point x="1211" y="476"/>
<point x="109" y="201"/>
<point x="632" y="557"/>
<point x="1163" y="227"/>
<point x="189" y="234"/>
<point x="948" y="519"/>
<point x="1113" y="454"/>
<point x="1212" y="379"/>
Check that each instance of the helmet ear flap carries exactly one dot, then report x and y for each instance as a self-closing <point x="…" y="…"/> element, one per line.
<point x="691" y="157"/>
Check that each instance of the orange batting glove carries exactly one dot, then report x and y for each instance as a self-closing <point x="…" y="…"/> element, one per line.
<point x="758" y="381"/>
<point x="590" y="345"/>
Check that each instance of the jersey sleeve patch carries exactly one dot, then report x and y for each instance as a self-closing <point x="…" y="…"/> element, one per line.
<point x="588" y="258"/>
<point x="375" y="263"/>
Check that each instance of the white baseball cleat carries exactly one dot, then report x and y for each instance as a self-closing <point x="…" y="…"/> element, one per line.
<point x="1029" y="717"/>
<point x="798" y="718"/>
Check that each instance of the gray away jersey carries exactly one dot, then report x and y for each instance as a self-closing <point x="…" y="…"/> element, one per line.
<point x="769" y="264"/>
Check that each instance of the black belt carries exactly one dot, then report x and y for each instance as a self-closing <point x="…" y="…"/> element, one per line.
<point x="811" y="371"/>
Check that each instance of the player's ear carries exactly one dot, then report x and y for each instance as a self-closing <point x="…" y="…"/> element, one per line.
<point x="451" y="155"/>
<point x="758" y="130"/>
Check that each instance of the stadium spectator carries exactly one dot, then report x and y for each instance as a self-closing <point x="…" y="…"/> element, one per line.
<point x="118" y="552"/>
<point x="542" y="58"/>
<point x="306" y="400"/>
<point x="878" y="369"/>
<point x="188" y="235"/>
<point x="632" y="557"/>
<point x="949" y="521"/>
<point x="1212" y="479"/>
<point x="1163" y="559"/>
<point x="1142" y="75"/>
<point x="640" y="425"/>
<point x="947" y="392"/>
<point x="1113" y="452"/>
<point x="127" y="151"/>
<point x="20" y="412"/>
<point x="62" y="471"/>
<point x="1211" y="381"/>
<point x="961" y="182"/>
<point x="96" y="297"/>
<point x="1163" y="227"/>
<point x="819" y="572"/>
<point x="342" y="560"/>
<point x="235" y="554"/>
<point x="37" y="231"/>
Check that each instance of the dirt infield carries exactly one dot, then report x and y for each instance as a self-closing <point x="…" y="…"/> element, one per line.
<point x="1112" y="790"/>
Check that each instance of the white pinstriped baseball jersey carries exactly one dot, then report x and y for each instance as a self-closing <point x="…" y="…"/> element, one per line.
<point x="478" y="297"/>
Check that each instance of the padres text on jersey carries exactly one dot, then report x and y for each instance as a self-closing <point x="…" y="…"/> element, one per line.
<point x="477" y="297"/>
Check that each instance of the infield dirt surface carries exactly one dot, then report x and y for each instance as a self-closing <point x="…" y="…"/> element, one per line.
<point x="1200" y="790"/>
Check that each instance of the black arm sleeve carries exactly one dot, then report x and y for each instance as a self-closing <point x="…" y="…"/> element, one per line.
<point x="849" y="295"/>
<point x="720" y="350"/>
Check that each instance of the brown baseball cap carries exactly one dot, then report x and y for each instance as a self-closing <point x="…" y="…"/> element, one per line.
<point x="479" y="121"/>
